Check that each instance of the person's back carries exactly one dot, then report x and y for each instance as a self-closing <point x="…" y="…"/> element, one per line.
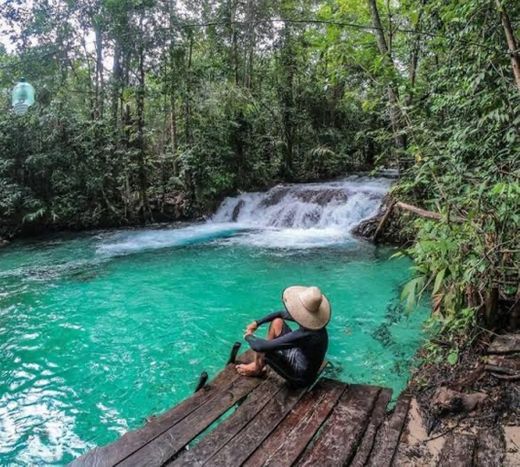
<point x="297" y="355"/>
<point x="314" y="348"/>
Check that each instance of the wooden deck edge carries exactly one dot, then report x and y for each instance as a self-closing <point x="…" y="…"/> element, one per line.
<point x="389" y="434"/>
<point x="120" y="449"/>
<point x="377" y="418"/>
<point x="245" y="411"/>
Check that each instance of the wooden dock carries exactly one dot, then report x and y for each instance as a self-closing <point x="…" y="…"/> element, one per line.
<point x="236" y="420"/>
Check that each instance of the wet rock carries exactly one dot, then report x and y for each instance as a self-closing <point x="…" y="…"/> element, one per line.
<point x="446" y="400"/>
<point x="321" y="197"/>
<point x="367" y="228"/>
<point x="236" y="210"/>
<point x="3" y="242"/>
<point x="416" y="448"/>
<point x="397" y="230"/>
<point x="275" y="196"/>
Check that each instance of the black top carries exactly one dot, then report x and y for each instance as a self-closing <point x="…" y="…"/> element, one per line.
<point x="312" y="345"/>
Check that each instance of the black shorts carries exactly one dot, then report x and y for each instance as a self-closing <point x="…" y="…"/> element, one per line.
<point x="290" y="364"/>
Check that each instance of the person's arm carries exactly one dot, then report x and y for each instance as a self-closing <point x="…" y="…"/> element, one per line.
<point x="270" y="317"/>
<point x="287" y="341"/>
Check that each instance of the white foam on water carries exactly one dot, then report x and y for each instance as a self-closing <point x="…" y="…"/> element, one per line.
<point x="134" y="241"/>
<point x="307" y="215"/>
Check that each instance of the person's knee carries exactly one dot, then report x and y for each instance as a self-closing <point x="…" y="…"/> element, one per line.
<point x="277" y="326"/>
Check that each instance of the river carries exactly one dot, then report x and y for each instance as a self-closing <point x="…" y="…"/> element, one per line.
<point x="100" y="330"/>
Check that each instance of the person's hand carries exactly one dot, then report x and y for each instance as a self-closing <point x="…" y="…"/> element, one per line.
<point x="251" y="328"/>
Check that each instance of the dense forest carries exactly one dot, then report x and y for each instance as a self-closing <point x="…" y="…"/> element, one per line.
<point x="149" y="110"/>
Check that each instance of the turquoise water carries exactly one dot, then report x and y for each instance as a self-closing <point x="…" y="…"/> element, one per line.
<point x="100" y="331"/>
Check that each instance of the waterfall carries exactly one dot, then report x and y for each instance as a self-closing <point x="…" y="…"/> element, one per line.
<point x="290" y="216"/>
<point x="342" y="204"/>
<point x="304" y="215"/>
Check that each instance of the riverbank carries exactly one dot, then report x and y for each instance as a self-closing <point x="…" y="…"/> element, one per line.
<point x="172" y="207"/>
<point x="465" y="397"/>
<point x="463" y="413"/>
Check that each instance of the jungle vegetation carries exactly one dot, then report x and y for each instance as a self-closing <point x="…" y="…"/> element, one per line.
<point x="148" y="109"/>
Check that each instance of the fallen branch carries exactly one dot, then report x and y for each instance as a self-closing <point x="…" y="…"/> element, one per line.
<point x="501" y="369"/>
<point x="409" y="207"/>
<point x="383" y="222"/>
<point x="507" y="377"/>
<point x="424" y="213"/>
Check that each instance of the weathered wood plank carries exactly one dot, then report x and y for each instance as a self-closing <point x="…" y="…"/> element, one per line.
<point x="215" y="440"/>
<point x="162" y="448"/>
<point x="505" y="344"/>
<point x="277" y="437"/>
<point x="130" y="442"/>
<point x="376" y="420"/>
<point x="387" y="438"/>
<point x="458" y="450"/>
<point x="244" y="444"/>
<point x="295" y="442"/>
<point x="343" y="430"/>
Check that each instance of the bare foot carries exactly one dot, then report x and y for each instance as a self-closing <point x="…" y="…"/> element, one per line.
<point x="249" y="369"/>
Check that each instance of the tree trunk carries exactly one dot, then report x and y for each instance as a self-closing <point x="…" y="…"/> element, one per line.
<point x="234" y="42"/>
<point x="511" y="42"/>
<point x="91" y="92"/>
<point x="392" y="91"/>
<point x="116" y="82"/>
<point x="251" y="35"/>
<point x="491" y="307"/>
<point x="287" y="101"/>
<point x="143" y="181"/>
<point x="99" y="90"/>
<point x="173" y="133"/>
<point x="187" y="99"/>
<point x="414" y="58"/>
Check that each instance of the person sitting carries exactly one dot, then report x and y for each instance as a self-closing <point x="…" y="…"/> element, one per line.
<point x="295" y="355"/>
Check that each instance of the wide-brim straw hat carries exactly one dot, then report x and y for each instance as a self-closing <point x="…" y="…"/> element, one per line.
<point x="307" y="306"/>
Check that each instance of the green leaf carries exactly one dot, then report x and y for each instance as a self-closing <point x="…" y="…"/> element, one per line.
<point x="399" y="254"/>
<point x="453" y="357"/>
<point x="438" y="280"/>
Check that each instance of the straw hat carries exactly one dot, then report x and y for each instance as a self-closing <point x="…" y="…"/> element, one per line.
<point x="307" y="305"/>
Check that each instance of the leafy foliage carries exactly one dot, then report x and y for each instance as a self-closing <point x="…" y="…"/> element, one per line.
<point x="139" y="100"/>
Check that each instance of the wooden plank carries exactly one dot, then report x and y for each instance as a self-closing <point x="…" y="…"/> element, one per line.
<point x="130" y="442"/>
<point x="164" y="447"/>
<point x="215" y="440"/>
<point x="388" y="436"/>
<point x="321" y="394"/>
<point x="505" y="344"/>
<point x="378" y="416"/>
<point x="303" y="432"/>
<point x="343" y="430"/>
<point x="245" y="443"/>
<point x="458" y="450"/>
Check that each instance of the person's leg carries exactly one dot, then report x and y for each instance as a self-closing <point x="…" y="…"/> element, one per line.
<point x="257" y="365"/>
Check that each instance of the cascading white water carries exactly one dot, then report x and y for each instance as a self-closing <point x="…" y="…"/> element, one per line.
<point x="306" y="215"/>
<point x="341" y="204"/>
